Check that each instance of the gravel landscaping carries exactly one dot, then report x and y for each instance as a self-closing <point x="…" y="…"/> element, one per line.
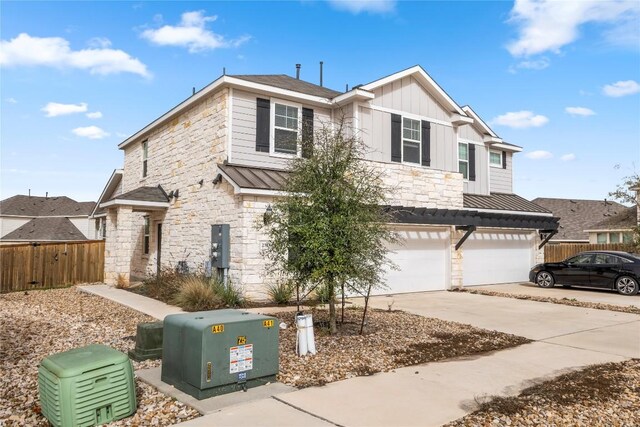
<point x="565" y="301"/>
<point x="392" y="339"/>
<point x="41" y="323"/>
<point x="599" y="395"/>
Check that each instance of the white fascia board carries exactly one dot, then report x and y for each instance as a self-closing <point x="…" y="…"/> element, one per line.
<point x="356" y="94"/>
<point x="608" y="230"/>
<point x="111" y="180"/>
<point x="500" y="211"/>
<point x="422" y="76"/>
<point x="492" y="139"/>
<point x="217" y="84"/>
<point x="125" y="202"/>
<point x="505" y="147"/>
<point x="478" y="121"/>
<point x="458" y="120"/>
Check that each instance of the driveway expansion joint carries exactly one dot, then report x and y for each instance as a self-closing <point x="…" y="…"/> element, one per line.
<point x="589" y="330"/>
<point x="297" y="408"/>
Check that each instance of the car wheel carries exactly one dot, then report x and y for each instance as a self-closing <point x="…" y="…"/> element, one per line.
<point x="544" y="279"/>
<point x="626" y="285"/>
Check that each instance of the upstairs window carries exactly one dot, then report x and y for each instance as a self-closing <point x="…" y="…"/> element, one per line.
<point x="495" y="158"/>
<point x="463" y="159"/>
<point x="147" y="235"/>
<point x="411" y="141"/>
<point x="145" y="152"/>
<point x="286" y="128"/>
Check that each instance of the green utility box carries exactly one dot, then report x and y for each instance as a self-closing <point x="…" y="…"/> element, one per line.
<point x="208" y="353"/>
<point x="86" y="386"/>
<point x="148" y="342"/>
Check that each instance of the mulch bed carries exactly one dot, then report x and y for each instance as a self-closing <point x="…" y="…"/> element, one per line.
<point x="599" y="395"/>
<point x="564" y="301"/>
<point x="391" y="339"/>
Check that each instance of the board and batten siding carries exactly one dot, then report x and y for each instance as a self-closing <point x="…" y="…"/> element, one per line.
<point x="501" y="180"/>
<point x="375" y="131"/>
<point x="243" y="131"/>
<point x="481" y="183"/>
<point x="468" y="132"/>
<point x="408" y="95"/>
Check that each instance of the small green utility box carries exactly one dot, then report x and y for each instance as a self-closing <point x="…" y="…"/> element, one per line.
<point x="148" y="342"/>
<point x="209" y="353"/>
<point x="86" y="386"/>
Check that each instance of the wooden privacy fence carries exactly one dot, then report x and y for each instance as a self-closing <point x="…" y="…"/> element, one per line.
<point x="48" y="265"/>
<point x="555" y="252"/>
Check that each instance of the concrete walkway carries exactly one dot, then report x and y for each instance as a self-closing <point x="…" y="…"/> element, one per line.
<point x="432" y="394"/>
<point x="146" y="305"/>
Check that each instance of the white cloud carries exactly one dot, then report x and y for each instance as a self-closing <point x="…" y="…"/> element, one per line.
<point x="548" y="25"/>
<point x="358" y="6"/>
<point x="580" y="111"/>
<point x="122" y="135"/>
<point x="191" y="33"/>
<point x="537" y="64"/>
<point x="94" y="115"/>
<point x="25" y="50"/>
<point x="621" y="88"/>
<point x="99" y="42"/>
<point x="91" y="132"/>
<point x="520" y="120"/>
<point x="538" y="155"/>
<point x="54" y="109"/>
<point x="11" y="100"/>
<point x="568" y="157"/>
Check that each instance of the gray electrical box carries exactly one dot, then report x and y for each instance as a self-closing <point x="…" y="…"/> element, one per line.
<point x="208" y="353"/>
<point x="220" y="242"/>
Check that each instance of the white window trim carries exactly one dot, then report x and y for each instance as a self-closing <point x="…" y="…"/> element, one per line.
<point x="272" y="127"/>
<point x="419" y="142"/>
<point x="146" y="220"/>
<point x="461" y="160"/>
<point x="144" y="159"/>
<point x="493" y="165"/>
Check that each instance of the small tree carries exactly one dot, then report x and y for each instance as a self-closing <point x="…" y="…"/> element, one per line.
<point x="329" y="230"/>
<point x="626" y="193"/>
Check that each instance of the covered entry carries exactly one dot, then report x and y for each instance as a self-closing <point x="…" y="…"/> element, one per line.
<point x="497" y="257"/>
<point x="422" y="258"/>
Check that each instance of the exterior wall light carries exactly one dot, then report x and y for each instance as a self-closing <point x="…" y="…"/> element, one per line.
<point x="268" y="214"/>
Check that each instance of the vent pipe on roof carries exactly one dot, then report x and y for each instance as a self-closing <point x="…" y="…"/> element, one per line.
<point x="224" y="71"/>
<point x="347" y="88"/>
<point x="298" y="71"/>
<point x="193" y="90"/>
<point x="29" y="192"/>
<point x="46" y="195"/>
<point x="321" y="62"/>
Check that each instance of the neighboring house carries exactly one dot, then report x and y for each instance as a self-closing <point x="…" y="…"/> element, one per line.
<point x="45" y="219"/>
<point x="615" y="229"/>
<point x="576" y="216"/>
<point x="220" y="157"/>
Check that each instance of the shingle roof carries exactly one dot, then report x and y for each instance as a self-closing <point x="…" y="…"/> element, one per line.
<point x="46" y="229"/>
<point x="144" y="194"/>
<point x="285" y="82"/>
<point x="624" y="219"/>
<point x="501" y="202"/>
<point x="44" y="206"/>
<point x="259" y="178"/>
<point x="578" y="215"/>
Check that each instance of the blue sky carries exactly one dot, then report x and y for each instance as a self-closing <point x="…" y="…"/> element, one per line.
<point x="560" y="79"/>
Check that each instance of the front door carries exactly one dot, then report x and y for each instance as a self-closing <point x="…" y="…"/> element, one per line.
<point x="159" y="252"/>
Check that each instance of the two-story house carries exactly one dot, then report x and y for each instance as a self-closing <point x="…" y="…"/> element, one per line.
<point x="220" y="157"/>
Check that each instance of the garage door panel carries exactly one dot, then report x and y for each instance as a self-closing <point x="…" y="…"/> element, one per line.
<point x="422" y="262"/>
<point x="492" y="257"/>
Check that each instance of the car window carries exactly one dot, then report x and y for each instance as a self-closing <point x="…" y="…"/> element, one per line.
<point x="580" y="259"/>
<point x="606" y="259"/>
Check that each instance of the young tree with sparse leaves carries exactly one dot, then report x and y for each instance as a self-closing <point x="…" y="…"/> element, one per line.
<point x="626" y="193"/>
<point x="329" y="231"/>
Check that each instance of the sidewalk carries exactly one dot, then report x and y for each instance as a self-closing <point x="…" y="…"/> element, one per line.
<point x="146" y="305"/>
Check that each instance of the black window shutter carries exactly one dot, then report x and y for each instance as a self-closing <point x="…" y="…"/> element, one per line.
<point x="472" y="162"/>
<point x="396" y="138"/>
<point x="504" y="160"/>
<point x="307" y="132"/>
<point x="263" y="116"/>
<point x="426" y="143"/>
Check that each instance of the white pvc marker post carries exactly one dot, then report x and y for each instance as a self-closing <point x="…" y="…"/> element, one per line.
<point x="311" y="340"/>
<point x="301" y="335"/>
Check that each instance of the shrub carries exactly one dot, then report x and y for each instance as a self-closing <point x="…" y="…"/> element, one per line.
<point x="196" y="294"/>
<point x="281" y="293"/>
<point x="164" y="286"/>
<point x="121" y="282"/>
<point x="230" y="294"/>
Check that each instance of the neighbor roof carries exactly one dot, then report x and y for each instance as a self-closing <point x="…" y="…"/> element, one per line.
<point x="578" y="215"/>
<point x="46" y="229"/>
<point x="283" y="81"/>
<point x="623" y="220"/>
<point x="36" y="206"/>
<point x="501" y="202"/>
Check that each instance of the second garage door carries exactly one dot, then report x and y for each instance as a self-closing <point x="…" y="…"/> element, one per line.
<point x="422" y="260"/>
<point x="497" y="257"/>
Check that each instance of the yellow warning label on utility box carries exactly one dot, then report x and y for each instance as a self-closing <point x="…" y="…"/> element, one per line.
<point x="242" y="340"/>
<point x="267" y="323"/>
<point x="217" y="329"/>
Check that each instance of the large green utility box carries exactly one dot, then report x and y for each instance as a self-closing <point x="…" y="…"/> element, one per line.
<point x="86" y="386"/>
<point x="208" y="353"/>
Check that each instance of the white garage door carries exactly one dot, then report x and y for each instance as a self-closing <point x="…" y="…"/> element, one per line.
<point x="497" y="257"/>
<point x="422" y="259"/>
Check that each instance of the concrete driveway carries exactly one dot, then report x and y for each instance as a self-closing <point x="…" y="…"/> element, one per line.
<point x="601" y="296"/>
